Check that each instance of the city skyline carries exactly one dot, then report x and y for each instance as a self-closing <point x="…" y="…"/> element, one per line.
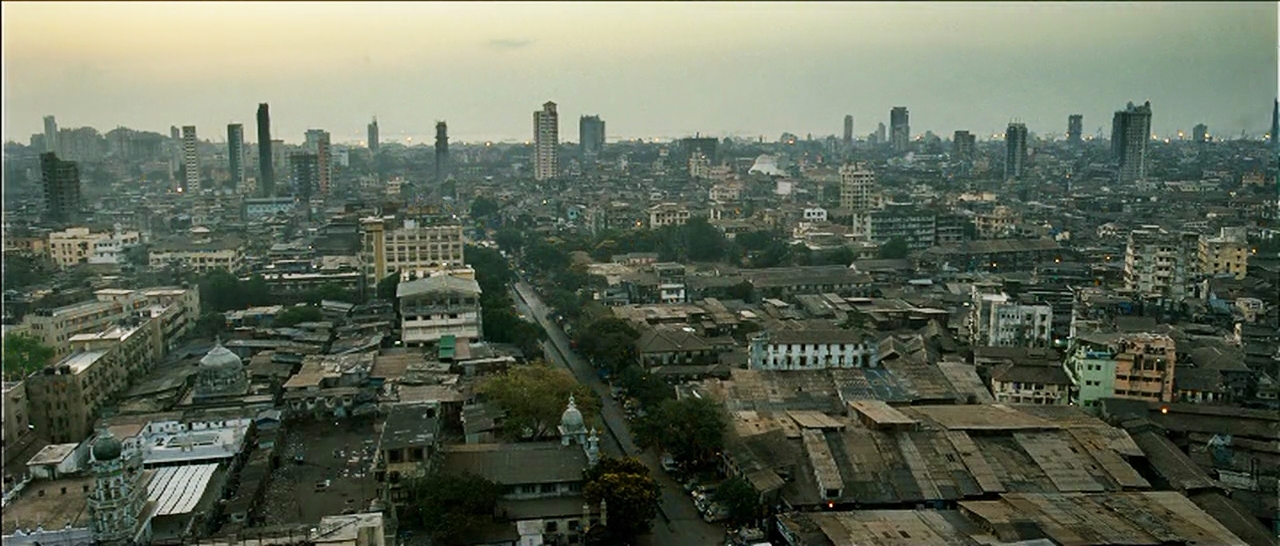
<point x="1198" y="63"/>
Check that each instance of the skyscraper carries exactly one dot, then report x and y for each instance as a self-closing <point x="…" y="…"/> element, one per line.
<point x="1075" y="126"/>
<point x="879" y="133"/>
<point x="235" y="154"/>
<point x="305" y="171"/>
<point x="962" y="146"/>
<point x="317" y="142"/>
<point x="190" y="160"/>
<point x="546" y="142"/>
<point x="1130" y="131"/>
<point x="61" y="187"/>
<point x="1015" y="156"/>
<point x="442" y="151"/>
<point x="1200" y="133"/>
<point x="848" y="131"/>
<point x="857" y="186"/>
<point x="899" y="128"/>
<point x="590" y="135"/>
<point x="50" y="134"/>
<point x="266" y="170"/>
<point x="373" y="136"/>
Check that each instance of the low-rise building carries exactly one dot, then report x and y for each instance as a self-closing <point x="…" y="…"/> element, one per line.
<point x="668" y="214"/>
<point x="79" y="245"/>
<point x="414" y="248"/>
<point x="177" y="309"/>
<point x="1225" y="254"/>
<point x="812" y="350"/>
<point x="997" y="320"/>
<point x="200" y="253"/>
<point x="1137" y="366"/>
<point x="437" y="306"/>
<point x="1021" y="384"/>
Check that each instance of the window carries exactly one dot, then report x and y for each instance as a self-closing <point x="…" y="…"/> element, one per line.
<point x="552" y="526"/>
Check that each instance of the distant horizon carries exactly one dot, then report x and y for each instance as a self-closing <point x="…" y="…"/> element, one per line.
<point x="653" y="70"/>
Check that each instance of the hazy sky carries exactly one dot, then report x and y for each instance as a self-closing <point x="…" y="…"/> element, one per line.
<point x="650" y="70"/>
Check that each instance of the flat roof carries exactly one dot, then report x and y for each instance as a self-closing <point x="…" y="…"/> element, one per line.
<point x="51" y="504"/>
<point x="980" y="417"/>
<point x="880" y="413"/>
<point x="52" y="454"/>
<point x="177" y="489"/>
<point x="81" y="361"/>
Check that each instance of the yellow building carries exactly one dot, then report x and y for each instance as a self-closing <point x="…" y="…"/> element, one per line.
<point x="1226" y="253"/>
<point x="413" y="248"/>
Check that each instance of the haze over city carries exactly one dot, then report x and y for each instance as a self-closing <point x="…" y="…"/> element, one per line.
<point x="653" y="70"/>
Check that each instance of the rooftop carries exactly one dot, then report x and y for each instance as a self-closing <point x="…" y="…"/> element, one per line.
<point x="51" y="504"/>
<point x="516" y="464"/>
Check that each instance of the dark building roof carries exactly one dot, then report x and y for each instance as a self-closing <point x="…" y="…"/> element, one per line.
<point x="517" y="464"/>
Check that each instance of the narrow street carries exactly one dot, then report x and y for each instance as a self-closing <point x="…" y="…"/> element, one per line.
<point x="679" y="522"/>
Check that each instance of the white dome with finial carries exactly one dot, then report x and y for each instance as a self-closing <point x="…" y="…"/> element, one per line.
<point x="221" y="357"/>
<point x="571" y="421"/>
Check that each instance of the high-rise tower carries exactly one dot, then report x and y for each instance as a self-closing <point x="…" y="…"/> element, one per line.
<point x="50" y="134"/>
<point x="317" y="141"/>
<point x="546" y="142"/>
<point x="590" y="135"/>
<point x="266" y="170"/>
<point x="962" y="144"/>
<point x="373" y="136"/>
<point x="899" y="128"/>
<point x="1075" y="126"/>
<point x="1275" y="127"/>
<point x="190" y="160"/>
<point x="1200" y="133"/>
<point x="305" y="170"/>
<point x="61" y="187"/>
<point x="1015" y="156"/>
<point x="848" y="131"/>
<point x="235" y="154"/>
<point x="1130" y="132"/>
<point x="442" y="151"/>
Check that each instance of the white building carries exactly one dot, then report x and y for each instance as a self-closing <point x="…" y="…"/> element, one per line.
<point x="996" y="320"/>
<point x="699" y="165"/>
<point x="438" y="306"/>
<point x="813" y="350"/>
<point x="1159" y="264"/>
<point x="546" y="142"/>
<point x="726" y="192"/>
<point x="668" y="214"/>
<point x="816" y="214"/>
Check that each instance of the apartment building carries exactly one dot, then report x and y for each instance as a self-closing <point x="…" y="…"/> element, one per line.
<point x="812" y="350"/>
<point x="914" y="226"/>
<point x="176" y="308"/>
<point x="66" y="397"/>
<point x="200" y="253"/>
<point x="668" y="214"/>
<point x="1022" y="384"/>
<point x="997" y="320"/>
<point x="1226" y="253"/>
<point x="80" y="245"/>
<point x="1137" y="366"/>
<point x="1159" y="264"/>
<point x="16" y="416"/>
<point x="414" y="248"/>
<point x="438" y="306"/>
<point x="1000" y="223"/>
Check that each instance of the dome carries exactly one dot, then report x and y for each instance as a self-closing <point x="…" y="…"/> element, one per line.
<point x="571" y="420"/>
<point x="220" y="357"/>
<point x="107" y="447"/>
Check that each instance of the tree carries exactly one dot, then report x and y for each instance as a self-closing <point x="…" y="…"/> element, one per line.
<point x="692" y="429"/>
<point x="740" y="498"/>
<point x="508" y="239"/>
<point x="894" y="249"/>
<point x="483" y="207"/>
<point x="535" y="396"/>
<point x="650" y="390"/>
<point x="298" y="314"/>
<point x="23" y="354"/>
<point x="449" y="506"/>
<point x="210" y="324"/>
<point x="631" y="496"/>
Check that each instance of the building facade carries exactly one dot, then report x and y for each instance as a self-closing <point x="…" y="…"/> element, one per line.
<point x="372" y="143"/>
<point x="899" y="128"/>
<point x="1159" y="264"/>
<point x="1130" y="134"/>
<point x="1227" y="253"/>
<point x="668" y="214"/>
<point x="962" y="145"/>
<point x="442" y="151"/>
<point x="74" y="246"/>
<point x="857" y="188"/>
<point x="61" y="181"/>
<point x="812" y="350"/>
<point x="235" y="155"/>
<point x="1075" y="128"/>
<point x="412" y="248"/>
<point x="546" y="142"/>
<point x="190" y="160"/>
<point x="1015" y="156"/>
<point x="590" y="135"/>
<point x="437" y="306"/>
<point x="997" y="320"/>
<point x="266" y="167"/>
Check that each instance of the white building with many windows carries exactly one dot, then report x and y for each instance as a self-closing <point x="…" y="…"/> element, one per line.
<point x="813" y="350"/>
<point x="437" y="306"/>
<point x="997" y="320"/>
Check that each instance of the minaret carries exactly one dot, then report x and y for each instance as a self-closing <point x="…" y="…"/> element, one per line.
<point x="593" y="448"/>
<point x="117" y="499"/>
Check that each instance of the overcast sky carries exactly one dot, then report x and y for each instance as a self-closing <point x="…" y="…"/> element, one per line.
<point x="650" y="70"/>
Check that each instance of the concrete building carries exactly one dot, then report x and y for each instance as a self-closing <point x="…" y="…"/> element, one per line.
<point x="1226" y="253"/>
<point x="190" y="160"/>
<point x="962" y="145"/>
<point x="812" y="350"/>
<point x="199" y="252"/>
<point x="16" y="416"/>
<point x="1075" y="128"/>
<point x="304" y="170"/>
<point x="1130" y="133"/>
<point x="61" y="180"/>
<point x="1200" y="133"/>
<point x="266" y="167"/>
<point x="50" y="135"/>
<point x="590" y="135"/>
<point x="1023" y="384"/>
<point x="1015" y="156"/>
<point x="546" y="142"/>
<point x="857" y="188"/>
<point x="261" y="208"/>
<point x="1000" y="223"/>
<point x="668" y="214"/>
<point x="412" y="248"/>
<point x="1139" y="366"/>
<point x="997" y="320"/>
<point x="178" y="309"/>
<point x="78" y="245"/>
<point x="699" y="165"/>
<point x="442" y="151"/>
<point x="899" y="128"/>
<point x="235" y="156"/>
<point x="915" y="226"/>
<point x="318" y="142"/>
<point x="437" y="306"/>
<point x="372" y="143"/>
<point x="1159" y="264"/>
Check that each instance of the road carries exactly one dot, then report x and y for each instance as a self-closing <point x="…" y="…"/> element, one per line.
<point x="679" y="523"/>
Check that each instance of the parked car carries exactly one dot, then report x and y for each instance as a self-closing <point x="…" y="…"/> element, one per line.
<point x="669" y="463"/>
